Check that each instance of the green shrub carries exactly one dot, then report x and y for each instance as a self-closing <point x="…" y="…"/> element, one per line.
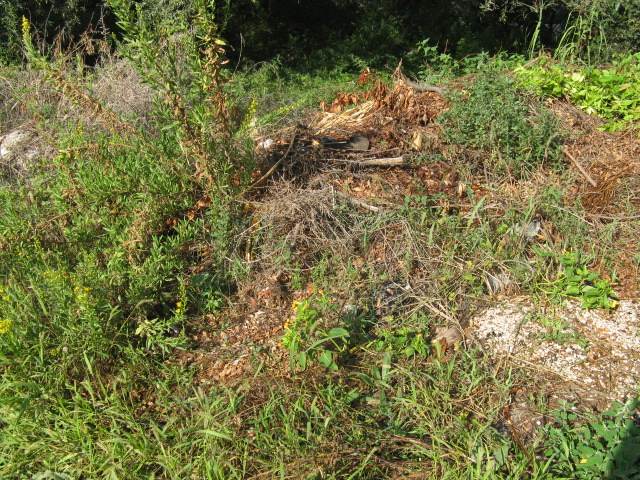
<point x="95" y="246"/>
<point x="513" y="135"/>
<point x="611" y="93"/>
<point x="588" y="446"/>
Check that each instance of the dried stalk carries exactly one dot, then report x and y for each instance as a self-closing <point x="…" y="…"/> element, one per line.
<point x="579" y="167"/>
<point x="359" y="203"/>
<point x="379" y="162"/>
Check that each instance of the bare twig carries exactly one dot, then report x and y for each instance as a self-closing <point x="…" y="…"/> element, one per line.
<point x="514" y="432"/>
<point x="607" y="217"/>
<point x="531" y="62"/>
<point x="359" y="202"/>
<point x="380" y="162"/>
<point x="579" y="167"/>
<point x="546" y="148"/>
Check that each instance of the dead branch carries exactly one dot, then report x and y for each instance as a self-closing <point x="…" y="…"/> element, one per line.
<point x="607" y="217"/>
<point x="414" y="85"/>
<point x="359" y="203"/>
<point x="369" y="162"/>
<point x="579" y="167"/>
<point x="421" y="88"/>
<point x="275" y="165"/>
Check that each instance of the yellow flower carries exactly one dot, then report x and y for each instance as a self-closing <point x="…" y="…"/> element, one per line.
<point x="26" y="26"/>
<point x="5" y="326"/>
<point x="249" y="118"/>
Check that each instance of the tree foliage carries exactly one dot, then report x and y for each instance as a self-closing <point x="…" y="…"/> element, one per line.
<point x="50" y="18"/>
<point x="336" y="35"/>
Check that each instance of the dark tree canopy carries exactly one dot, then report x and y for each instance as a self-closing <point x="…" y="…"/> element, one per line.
<point x="330" y="34"/>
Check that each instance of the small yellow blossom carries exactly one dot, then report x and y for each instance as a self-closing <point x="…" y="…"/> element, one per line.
<point x="26" y="27"/>
<point x="5" y="326"/>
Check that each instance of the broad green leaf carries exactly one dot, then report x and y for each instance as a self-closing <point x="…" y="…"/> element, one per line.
<point x="326" y="360"/>
<point x="572" y="290"/>
<point x="338" y="332"/>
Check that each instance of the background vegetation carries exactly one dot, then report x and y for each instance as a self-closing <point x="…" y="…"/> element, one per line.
<point x="337" y="35"/>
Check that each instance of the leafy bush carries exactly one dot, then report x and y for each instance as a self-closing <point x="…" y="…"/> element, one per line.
<point x="513" y="134"/>
<point x="588" y="446"/>
<point x="612" y="93"/>
<point x="94" y="248"/>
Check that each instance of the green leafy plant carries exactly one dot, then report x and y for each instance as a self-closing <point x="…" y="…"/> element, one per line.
<point x="429" y="54"/>
<point x="587" y="446"/>
<point x="493" y="122"/>
<point x="574" y="280"/>
<point x="306" y="336"/>
<point x="557" y="331"/>
<point x="408" y="341"/>
<point x="185" y="66"/>
<point x="611" y="93"/>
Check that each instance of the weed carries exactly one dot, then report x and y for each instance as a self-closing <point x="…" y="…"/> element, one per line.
<point x="308" y="336"/>
<point x="408" y="341"/>
<point x="583" y="38"/>
<point x="186" y="69"/>
<point x="492" y="118"/>
<point x="612" y="93"/>
<point x="558" y="331"/>
<point x="576" y="281"/>
<point x="588" y="446"/>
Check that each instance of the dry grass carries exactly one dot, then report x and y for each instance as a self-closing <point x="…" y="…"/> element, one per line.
<point x="119" y="87"/>
<point x="21" y="91"/>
